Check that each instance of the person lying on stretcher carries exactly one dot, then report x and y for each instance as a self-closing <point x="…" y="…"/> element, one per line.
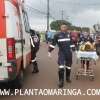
<point x="86" y="45"/>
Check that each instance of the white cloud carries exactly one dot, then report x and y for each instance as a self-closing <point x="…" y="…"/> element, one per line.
<point x="80" y="12"/>
<point x="38" y="24"/>
<point x="87" y="18"/>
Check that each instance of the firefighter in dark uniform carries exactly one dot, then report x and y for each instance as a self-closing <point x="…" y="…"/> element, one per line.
<point x="64" y="42"/>
<point x="35" y="44"/>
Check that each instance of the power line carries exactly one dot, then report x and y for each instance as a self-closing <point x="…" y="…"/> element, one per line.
<point x="50" y="10"/>
<point x="32" y="10"/>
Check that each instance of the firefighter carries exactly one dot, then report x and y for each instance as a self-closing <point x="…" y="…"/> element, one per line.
<point x="35" y="44"/>
<point x="64" y="42"/>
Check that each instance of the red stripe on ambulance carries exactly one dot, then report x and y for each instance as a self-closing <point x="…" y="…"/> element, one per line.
<point x="2" y="20"/>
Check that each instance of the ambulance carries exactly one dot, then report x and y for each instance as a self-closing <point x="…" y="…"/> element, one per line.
<point x="15" y="48"/>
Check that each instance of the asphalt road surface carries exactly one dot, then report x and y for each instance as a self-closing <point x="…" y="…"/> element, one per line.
<point x="47" y="79"/>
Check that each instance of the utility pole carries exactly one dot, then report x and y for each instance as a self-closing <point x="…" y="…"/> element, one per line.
<point x="62" y="14"/>
<point x="48" y="14"/>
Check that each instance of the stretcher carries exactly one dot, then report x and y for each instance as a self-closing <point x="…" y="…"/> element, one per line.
<point x="86" y="56"/>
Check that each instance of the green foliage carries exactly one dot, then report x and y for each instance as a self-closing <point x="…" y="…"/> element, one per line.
<point x="86" y="29"/>
<point x="55" y="25"/>
<point x="75" y="28"/>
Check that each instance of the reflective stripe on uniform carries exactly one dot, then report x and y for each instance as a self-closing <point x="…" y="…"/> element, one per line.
<point x="63" y="40"/>
<point x="34" y="60"/>
<point x="68" y="67"/>
<point x="61" y="66"/>
<point x="52" y="46"/>
<point x="72" y="46"/>
<point x="32" y="42"/>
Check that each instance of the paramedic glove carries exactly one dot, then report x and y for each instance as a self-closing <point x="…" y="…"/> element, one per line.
<point x="49" y="54"/>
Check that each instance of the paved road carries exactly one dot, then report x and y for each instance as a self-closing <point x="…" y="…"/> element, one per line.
<point x="47" y="78"/>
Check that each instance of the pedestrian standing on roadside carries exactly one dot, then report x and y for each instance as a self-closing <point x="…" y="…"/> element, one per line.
<point x="49" y="36"/>
<point x="35" y="44"/>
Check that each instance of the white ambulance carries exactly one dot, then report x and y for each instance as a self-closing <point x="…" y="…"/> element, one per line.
<point x="15" y="48"/>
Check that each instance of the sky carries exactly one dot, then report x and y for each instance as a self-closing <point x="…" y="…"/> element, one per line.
<point x="84" y="13"/>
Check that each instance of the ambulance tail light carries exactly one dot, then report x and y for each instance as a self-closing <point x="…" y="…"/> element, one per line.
<point x="10" y="48"/>
<point x="10" y="69"/>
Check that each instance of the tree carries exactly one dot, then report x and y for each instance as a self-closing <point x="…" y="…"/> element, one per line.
<point x="75" y="28"/>
<point x="85" y="29"/>
<point x="55" y="25"/>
